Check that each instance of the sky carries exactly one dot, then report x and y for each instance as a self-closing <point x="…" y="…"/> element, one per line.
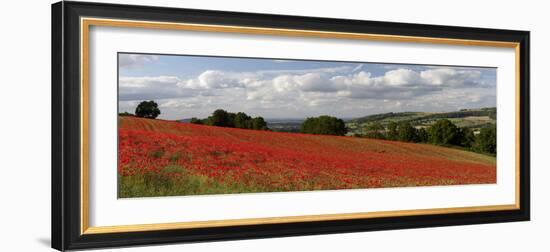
<point x="194" y="86"/>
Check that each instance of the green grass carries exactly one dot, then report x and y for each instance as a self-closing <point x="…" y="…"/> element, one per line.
<point x="165" y="184"/>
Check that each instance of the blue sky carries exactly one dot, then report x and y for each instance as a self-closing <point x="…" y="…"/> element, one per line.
<point x="194" y="86"/>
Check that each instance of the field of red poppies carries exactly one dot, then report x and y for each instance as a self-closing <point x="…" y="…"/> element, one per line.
<point x="161" y="158"/>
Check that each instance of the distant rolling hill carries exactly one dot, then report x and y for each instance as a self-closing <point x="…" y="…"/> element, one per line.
<point x="466" y="118"/>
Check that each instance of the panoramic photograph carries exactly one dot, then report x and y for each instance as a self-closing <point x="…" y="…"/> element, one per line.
<point x="202" y="125"/>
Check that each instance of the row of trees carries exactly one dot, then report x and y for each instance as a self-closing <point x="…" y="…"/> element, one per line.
<point x="240" y="120"/>
<point x="442" y="132"/>
<point x="220" y="117"/>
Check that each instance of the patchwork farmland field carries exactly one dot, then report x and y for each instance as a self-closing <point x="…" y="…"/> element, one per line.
<point x="162" y="158"/>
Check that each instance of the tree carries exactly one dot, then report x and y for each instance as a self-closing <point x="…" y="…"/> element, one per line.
<point x="443" y="132"/>
<point x="423" y="135"/>
<point x="196" y="121"/>
<point x="406" y="132"/>
<point x="258" y="123"/>
<point x="392" y="131"/>
<point x="324" y="125"/>
<point x="230" y="120"/>
<point x="220" y="118"/>
<point x="466" y="137"/>
<point x="147" y="109"/>
<point x="242" y="121"/>
<point x="486" y="140"/>
<point x="125" y="114"/>
<point x="375" y="130"/>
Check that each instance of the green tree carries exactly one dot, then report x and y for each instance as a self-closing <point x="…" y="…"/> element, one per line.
<point x="493" y="114"/>
<point x="375" y="130"/>
<point x="406" y="132"/>
<point x="423" y="135"/>
<point x="486" y="140"/>
<point x="147" y="109"/>
<point x="258" y="123"/>
<point x="443" y="132"/>
<point x="242" y="121"/>
<point x="125" y="114"/>
<point x="196" y="121"/>
<point x="392" y="133"/>
<point x="324" y="125"/>
<point x="220" y="118"/>
<point x="466" y="137"/>
<point x="230" y="120"/>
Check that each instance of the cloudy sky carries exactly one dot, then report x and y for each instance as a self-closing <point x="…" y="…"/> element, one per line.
<point x="194" y="86"/>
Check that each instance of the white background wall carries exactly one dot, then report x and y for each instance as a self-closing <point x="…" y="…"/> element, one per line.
<point x="25" y="125"/>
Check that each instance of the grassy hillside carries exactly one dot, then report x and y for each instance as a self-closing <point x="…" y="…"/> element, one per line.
<point x="159" y="158"/>
<point x="466" y="118"/>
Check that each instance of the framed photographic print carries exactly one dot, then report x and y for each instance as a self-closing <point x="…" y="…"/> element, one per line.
<point x="180" y="125"/>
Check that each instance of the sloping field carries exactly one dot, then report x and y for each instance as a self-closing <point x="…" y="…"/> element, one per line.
<point x="158" y="158"/>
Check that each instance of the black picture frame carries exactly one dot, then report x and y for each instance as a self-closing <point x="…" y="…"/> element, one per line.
<point x="66" y="114"/>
